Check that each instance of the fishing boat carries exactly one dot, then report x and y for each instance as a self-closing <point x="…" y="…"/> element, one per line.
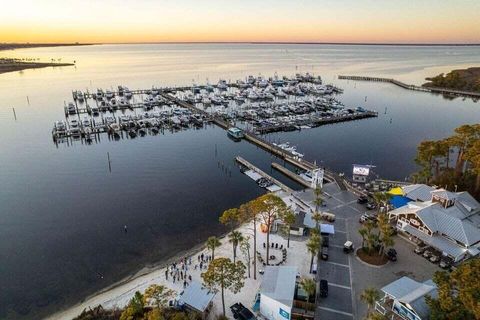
<point x="95" y="110"/>
<point x="127" y="93"/>
<point x="222" y="84"/>
<point x="99" y="94"/>
<point x="71" y="108"/>
<point x="79" y="96"/>
<point x="235" y="133"/>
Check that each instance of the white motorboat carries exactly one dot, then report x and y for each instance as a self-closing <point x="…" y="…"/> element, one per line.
<point x="72" y="109"/>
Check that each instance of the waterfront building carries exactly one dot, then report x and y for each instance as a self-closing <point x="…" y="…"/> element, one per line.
<point x="277" y="292"/>
<point x="404" y="299"/>
<point x="448" y="222"/>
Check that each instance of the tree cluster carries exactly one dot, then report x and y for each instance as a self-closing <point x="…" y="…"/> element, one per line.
<point x="453" y="162"/>
<point x="465" y="80"/>
<point x="378" y="235"/>
<point x="458" y="293"/>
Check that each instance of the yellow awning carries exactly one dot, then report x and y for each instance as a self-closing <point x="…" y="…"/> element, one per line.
<point x="396" y="191"/>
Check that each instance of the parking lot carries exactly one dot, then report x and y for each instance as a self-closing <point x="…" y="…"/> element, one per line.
<point x="346" y="275"/>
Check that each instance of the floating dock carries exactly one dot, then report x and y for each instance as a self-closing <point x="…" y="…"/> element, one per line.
<point x="459" y="93"/>
<point x="263" y="174"/>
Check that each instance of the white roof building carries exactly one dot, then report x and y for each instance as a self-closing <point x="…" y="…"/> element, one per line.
<point x="196" y="297"/>
<point x="449" y="221"/>
<point x="277" y="292"/>
<point x="405" y="298"/>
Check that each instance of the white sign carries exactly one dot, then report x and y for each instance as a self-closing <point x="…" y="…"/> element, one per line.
<point x="361" y="170"/>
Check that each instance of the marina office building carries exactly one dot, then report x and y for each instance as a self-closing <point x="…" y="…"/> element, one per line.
<point x="448" y="221"/>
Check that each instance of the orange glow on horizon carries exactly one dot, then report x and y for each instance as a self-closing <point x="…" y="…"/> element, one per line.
<point x="270" y="21"/>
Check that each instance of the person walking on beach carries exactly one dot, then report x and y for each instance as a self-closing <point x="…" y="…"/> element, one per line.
<point x="166" y="274"/>
<point x="190" y="277"/>
<point x="184" y="284"/>
<point x="173" y="279"/>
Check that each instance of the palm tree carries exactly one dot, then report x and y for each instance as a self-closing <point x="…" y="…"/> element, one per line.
<point x="317" y="217"/>
<point x="318" y="201"/>
<point x="212" y="243"/>
<point x="313" y="246"/>
<point x="308" y="285"/>
<point x="235" y="237"/>
<point x="370" y="296"/>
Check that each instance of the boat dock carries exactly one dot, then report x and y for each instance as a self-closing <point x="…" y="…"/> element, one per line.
<point x="263" y="174"/>
<point x="460" y="93"/>
<point x="295" y="177"/>
<point x="323" y="121"/>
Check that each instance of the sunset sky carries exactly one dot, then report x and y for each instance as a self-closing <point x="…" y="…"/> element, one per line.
<point x="379" y="21"/>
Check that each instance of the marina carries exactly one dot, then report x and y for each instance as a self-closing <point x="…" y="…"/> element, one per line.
<point x="257" y="105"/>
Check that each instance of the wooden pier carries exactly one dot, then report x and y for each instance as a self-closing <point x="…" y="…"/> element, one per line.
<point x="459" y="93"/>
<point x="295" y="177"/>
<point x="263" y="174"/>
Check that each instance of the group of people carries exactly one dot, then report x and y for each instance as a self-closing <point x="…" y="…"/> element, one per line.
<point x="178" y="271"/>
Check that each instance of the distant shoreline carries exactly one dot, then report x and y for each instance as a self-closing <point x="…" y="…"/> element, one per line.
<point x="310" y="43"/>
<point x="13" y="46"/>
<point x="12" y="65"/>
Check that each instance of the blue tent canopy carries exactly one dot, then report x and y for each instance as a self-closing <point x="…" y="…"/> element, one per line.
<point x="399" y="201"/>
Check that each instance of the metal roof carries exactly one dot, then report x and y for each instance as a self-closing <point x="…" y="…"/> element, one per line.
<point x="449" y="221"/>
<point x="196" y="296"/>
<point x="412" y="293"/>
<point x="444" y="194"/>
<point x="437" y="242"/>
<point x="279" y="284"/>
<point x="418" y="192"/>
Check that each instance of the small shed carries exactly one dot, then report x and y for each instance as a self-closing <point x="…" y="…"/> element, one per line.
<point x="277" y="292"/>
<point x="298" y="227"/>
<point x="196" y="297"/>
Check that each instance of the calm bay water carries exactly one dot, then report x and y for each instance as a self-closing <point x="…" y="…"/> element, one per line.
<point x="62" y="212"/>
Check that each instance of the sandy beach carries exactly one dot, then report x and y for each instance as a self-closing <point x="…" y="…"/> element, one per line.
<point x="118" y="295"/>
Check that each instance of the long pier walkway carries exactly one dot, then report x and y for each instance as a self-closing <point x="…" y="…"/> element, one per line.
<point x="413" y="87"/>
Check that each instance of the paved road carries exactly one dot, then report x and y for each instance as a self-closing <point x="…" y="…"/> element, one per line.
<point x="339" y="304"/>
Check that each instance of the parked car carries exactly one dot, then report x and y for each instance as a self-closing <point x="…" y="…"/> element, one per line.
<point x="420" y="249"/>
<point x="324" y="253"/>
<point x="367" y="217"/>
<point x="348" y="247"/>
<point x="435" y="257"/>
<point x="371" y="205"/>
<point x="241" y="312"/>
<point x="446" y="263"/>
<point x="325" y="241"/>
<point x="392" y="254"/>
<point x="362" y="200"/>
<point x="427" y="254"/>
<point x="323" y="288"/>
